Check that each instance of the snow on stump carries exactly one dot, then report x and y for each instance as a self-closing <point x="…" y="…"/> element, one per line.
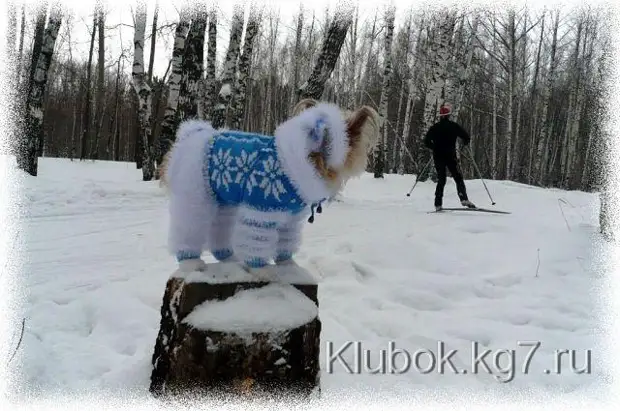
<point x="223" y="333"/>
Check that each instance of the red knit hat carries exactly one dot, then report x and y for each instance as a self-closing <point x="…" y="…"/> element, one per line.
<point x="445" y="109"/>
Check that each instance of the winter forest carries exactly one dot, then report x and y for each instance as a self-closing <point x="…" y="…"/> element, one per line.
<point x="528" y="84"/>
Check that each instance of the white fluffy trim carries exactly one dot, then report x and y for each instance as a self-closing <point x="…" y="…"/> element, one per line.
<point x="300" y="127"/>
<point x="294" y="142"/>
<point x="190" y="127"/>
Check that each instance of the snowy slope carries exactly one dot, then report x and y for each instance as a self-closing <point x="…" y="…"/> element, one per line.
<point x="389" y="271"/>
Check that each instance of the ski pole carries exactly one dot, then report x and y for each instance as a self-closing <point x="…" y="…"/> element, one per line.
<point x="471" y="156"/>
<point x="418" y="177"/>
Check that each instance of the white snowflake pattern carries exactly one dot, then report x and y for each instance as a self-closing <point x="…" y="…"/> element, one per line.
<point x="221" y="169"/>
<point x="244" y="164"/>
<point x="271" y="182"/>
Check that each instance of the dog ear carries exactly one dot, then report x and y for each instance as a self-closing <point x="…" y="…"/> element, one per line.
<point x="303" y="104"/>
<point x="357" y="122"/>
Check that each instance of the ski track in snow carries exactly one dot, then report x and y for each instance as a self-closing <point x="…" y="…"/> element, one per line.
<point x="97" y="266"/>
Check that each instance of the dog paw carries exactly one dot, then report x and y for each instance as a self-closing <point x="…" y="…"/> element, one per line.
<point x="192" y="265"/>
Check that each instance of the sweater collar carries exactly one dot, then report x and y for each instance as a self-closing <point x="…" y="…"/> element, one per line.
<point x="294" y="140"/>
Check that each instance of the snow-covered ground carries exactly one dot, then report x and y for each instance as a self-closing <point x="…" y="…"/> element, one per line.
<point x="96" y="266"/>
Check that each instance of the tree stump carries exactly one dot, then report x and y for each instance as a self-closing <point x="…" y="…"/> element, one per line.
<point x="223" y="332"/>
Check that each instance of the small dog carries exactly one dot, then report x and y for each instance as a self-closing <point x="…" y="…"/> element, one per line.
<point x="244" y="196"/>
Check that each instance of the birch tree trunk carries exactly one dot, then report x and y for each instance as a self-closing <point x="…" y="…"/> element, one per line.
<point x="406" y="126"/>
<point x="153" y="41"/>
<point x="115" y="132"/>
<point x="36" y="47"/>
<point x="364" y="84"/>
<point x="27" y="158"/>
<point x="440" y="50"/>
<point x="218" y="115"/>
<point x="143" y="91"/>
<point x="88" y="103"/>
<point x="574" y="116"/>
<point x="494" y="126"/>
<point x="403" y="69"/>
<point x="464" y="72"/>
<point x="395" y="143"/>
<point x="239" y="95"/>
<point x="518" y="146"/>
<point x="463" y="75"/>
<point x="352" y="79"/>
<point x="511" y="92"/>
<point x="208" y="87"/>
<point x="193" y="67"/>
<point x="379" y="150"/>
<point x="100" y="82"/>
<point x="535" y="102"/>
<point x="297" y="55"/>
<point x="267" y="118"/>
<point x="168" y="127"/>
<point x="543" y="143"/>
<point x="593" y="113"/>
<point x="411" y="99"/>
<point x="332" y="44"/>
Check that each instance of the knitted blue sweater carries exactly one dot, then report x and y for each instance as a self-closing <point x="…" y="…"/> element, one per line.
<point x="245" y="168"/>
<point x="245" y="194"/>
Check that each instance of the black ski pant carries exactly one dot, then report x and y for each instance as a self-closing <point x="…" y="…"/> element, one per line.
<point x="448" y="161"/>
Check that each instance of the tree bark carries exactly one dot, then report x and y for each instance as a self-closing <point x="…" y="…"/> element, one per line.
<point x="352" y="79"/>
<point x="535" y="101"/>
<point x="511" y="93"/>
<point x="297" y="55"/>
<point x="379" y="150"/>
<point x="192" y="68"/>
<point x="88" y="103"/>
<point x="143" y="92"/>
<point x="542" y="148"/>
<point x="313" y="88"/>
<point x="168" y="127"/>
<point x="440" y="49"/>
<point x="365" y="81"/>
<point x="153" y="42"/>
<point x="100" y="82"/>
<point x="234" y="356"/>
<point x="412" y="93"/>
<point x="239" y="95"/>
<point x="574" y="116"/>
<point x="218" y="114"/>
<point x="208" y="85"/>
<point x="27" y="158"/>
<point x="404" y="75"/>
<point x="116" y="131"/>
<point x="268" y="117"/>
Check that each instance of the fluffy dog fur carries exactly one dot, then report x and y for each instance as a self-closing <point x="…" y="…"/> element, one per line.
<point x="198" y="221"/>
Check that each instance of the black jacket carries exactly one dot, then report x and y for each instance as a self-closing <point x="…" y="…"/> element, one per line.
<point x="441" y="137"/>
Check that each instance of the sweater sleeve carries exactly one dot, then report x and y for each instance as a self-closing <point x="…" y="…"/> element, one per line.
<point x="289" y="237"/>
<point x="255" y="235"/>
<point x="221" y="232"/>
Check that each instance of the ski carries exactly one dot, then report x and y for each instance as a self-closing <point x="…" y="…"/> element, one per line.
<point x="482" y="210"/>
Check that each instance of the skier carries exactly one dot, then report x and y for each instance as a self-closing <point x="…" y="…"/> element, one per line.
<point x="441" y="139"/>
